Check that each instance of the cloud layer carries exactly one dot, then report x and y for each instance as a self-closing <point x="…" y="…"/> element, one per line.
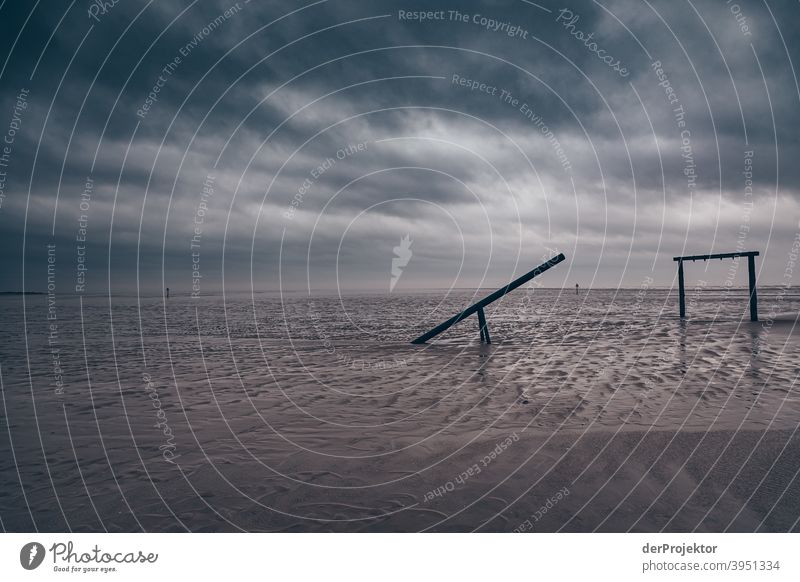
<point x="491" y="133"/>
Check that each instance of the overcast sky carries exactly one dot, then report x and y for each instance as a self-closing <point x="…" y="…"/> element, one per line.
<point x="298" y="143"/>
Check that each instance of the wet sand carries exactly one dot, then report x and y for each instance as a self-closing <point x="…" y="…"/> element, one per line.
<point x="590" y="413"/>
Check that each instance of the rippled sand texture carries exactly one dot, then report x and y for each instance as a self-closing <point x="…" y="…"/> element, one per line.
<point x="594" y="412"/>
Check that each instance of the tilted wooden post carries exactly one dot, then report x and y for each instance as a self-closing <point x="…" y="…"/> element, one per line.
<point x="478" y="307"/>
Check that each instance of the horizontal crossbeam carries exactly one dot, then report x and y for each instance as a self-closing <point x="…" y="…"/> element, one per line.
<point x="717" y="256"/>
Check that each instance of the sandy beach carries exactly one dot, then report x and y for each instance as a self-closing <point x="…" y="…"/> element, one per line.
<point x="599" y="412"/>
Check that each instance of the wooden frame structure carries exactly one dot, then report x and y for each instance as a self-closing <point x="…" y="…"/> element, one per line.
<point x="478" y="307"/>
<point x="751" y="265"/>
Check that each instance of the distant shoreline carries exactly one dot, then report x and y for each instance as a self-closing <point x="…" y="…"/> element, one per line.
<point x="349" y="292"/>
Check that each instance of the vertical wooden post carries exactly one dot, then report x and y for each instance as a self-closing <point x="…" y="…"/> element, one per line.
<point x="681" y="290"/>
<point x="484" y="328"/>
<point x="751" y="271"/>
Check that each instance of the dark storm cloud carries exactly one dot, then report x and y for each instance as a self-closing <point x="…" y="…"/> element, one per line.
<point x="158" y="99"/>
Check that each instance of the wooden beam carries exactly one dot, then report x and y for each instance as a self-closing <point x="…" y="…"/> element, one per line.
<point x="716" y="256"/>
<point x="751" y="277"/>
<point x="484" y="328"/>
<point x="492" y="297"/>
